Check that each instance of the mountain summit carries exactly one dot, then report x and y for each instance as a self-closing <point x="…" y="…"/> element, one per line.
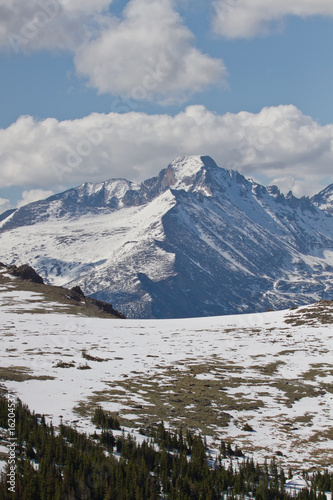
<point x="196" y="240"/>
<point x="187" y="173"/>
<point x="324" y="199"/>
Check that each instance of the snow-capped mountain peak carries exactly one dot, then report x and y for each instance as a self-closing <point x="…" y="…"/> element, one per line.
<point x="187" y="173"/>
<point x="324" y="199"/>
<point x="185" y="169"/>
<point x="196" y="240"/>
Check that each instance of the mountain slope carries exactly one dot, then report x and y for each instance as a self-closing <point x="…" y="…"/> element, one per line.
<point x="197" y="240"/>
<point x="324" y="199"/>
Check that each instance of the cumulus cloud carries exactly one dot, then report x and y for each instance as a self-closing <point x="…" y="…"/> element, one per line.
<point x="146" y="54"/>
<point x="279" y="145"/>
<point x="33" y="195"/>
<point x="48" y="24"/>
<point x="248" y="18"/>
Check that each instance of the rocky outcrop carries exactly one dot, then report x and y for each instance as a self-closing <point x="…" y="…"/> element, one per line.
<point x="26" y="272"/>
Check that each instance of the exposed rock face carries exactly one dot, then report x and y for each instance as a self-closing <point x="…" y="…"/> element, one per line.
<point x="324" y="199"/>
<point x="196" y="240"/>
<point x="77" y="293"/>
<point x="26" y="272"/>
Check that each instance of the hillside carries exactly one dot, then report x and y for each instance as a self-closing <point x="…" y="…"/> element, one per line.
<point x="263" y="381"/>
<point x="197" y="240"/>
<point x="71" y="301"/>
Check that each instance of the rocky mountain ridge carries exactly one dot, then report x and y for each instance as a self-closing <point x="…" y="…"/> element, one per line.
<point x="196" y="240"/>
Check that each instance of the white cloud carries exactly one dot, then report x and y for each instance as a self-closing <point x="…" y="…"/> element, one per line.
<point x="276" y="144"/>
<point x="48" y="24"/>
<point x="33" y="195"/>
<point x="4" y="205"/>
<point x="248" y="18"/>
<point x="146" y="54"/>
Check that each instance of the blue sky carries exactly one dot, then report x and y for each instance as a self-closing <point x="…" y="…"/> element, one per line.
<point x="251" y="87"/>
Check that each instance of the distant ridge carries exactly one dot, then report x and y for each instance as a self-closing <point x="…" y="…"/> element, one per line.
<point x="196" y="240"/>
<point x="324" y="199"/>
<point x="6" y="214"/>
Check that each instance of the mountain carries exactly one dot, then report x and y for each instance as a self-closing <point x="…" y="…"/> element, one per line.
<point x="324" y="199"/>
<point x="197" y="240"/>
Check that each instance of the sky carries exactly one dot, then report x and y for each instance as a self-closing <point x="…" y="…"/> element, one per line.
<point x="96" y="89"/>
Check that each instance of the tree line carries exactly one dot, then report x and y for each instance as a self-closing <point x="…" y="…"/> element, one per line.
<point x="66" y="464"/>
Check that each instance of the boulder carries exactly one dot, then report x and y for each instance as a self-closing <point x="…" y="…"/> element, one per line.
<point x="26" y="272"/>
